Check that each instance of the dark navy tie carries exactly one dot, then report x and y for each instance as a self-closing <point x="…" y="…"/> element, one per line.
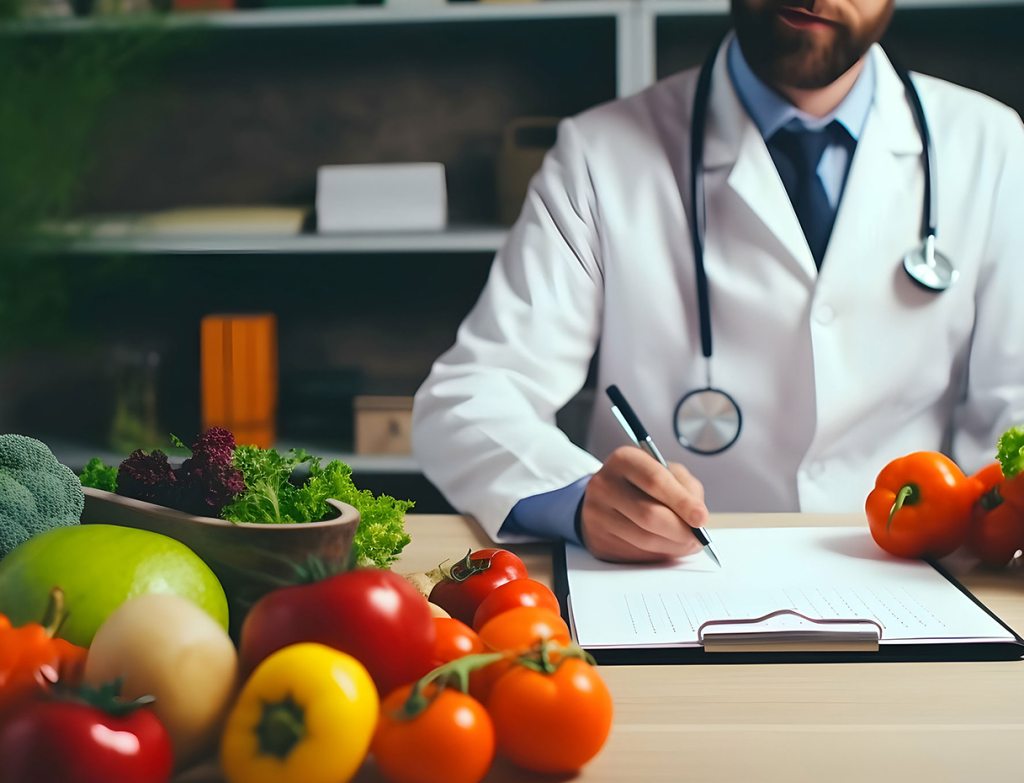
<point x="797" y="153"/>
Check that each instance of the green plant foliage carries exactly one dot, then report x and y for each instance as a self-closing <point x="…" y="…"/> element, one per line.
<point x="270" y="497"/>
<point x="54" y="89"/>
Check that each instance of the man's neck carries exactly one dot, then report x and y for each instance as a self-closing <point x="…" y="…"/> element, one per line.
<point x="824" y="100"/>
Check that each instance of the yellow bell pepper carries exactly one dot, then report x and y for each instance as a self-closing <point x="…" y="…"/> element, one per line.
<point x="306" y="715"/>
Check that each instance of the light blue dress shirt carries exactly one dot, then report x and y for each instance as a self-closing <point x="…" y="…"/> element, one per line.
<point x="770" y="111"/>
<point x="553" y="514"/>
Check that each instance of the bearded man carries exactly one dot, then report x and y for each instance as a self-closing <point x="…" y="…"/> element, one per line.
<point x="777" y="199"/>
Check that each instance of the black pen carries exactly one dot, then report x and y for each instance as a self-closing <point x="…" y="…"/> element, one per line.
<point x="631" y="424"/>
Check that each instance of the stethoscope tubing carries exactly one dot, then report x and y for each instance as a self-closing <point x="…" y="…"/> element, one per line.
<point x="698" y="227"/>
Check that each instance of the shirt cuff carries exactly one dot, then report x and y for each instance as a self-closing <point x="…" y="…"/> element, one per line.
<point x="551" y="514"/>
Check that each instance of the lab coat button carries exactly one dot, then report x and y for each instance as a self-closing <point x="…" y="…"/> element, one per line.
<point x="824" y="314"/>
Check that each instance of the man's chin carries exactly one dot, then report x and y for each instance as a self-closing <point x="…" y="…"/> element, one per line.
<point x="804" y="67"/>
<point x="806" y="73"/>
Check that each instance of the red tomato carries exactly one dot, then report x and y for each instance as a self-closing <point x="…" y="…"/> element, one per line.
<point x="523" y="626"/>
<point x="454" y="640"/>
<point x="997" y="527"/>
<point x="519" y="592"/>
<point x="551" y="723"/>
<point x="51" y="741"/>
<point x="450" y="741"/>
<point x="516" y="630"/>
<point x="471" y="580"/>
<point x="373" y="615"/>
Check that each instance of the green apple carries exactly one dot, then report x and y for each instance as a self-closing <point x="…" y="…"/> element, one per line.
<point x="99" y="567"/>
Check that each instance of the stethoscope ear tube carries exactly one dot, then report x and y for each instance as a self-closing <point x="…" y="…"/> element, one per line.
<point x="928" y="268"/>
<point x="708" y="420"/>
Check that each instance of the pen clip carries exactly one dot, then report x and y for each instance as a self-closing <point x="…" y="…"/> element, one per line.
<point x="625" y="425"/>
<point x="626" y="413"/>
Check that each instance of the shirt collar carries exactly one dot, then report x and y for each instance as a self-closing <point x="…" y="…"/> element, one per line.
<point x="770" y="111"/>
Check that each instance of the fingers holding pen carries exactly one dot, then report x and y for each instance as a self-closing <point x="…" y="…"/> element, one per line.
<point x="676" y="488"/>
<point x="635" y="510"/>
<point x="609" y="535"/>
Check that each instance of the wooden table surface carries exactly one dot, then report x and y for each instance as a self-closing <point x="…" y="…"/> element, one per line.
<point x="791" y="722"/>
<point x="810" y="722"/>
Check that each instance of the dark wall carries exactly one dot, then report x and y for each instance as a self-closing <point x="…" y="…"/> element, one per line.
<point x="246" y="116"/>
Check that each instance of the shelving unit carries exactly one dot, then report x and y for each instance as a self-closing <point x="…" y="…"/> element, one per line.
<point x="456" y="239"/>
<point x="284" y="90"/>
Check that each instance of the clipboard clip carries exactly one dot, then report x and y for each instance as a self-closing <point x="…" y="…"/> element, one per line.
<point x="824" y="635"/>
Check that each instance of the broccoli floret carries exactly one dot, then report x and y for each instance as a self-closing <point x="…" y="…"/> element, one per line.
<point x="37" y="493"/>
<point x="1011" y="451"/>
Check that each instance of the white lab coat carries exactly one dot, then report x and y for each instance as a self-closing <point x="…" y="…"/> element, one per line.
<point x="836" y="372"/>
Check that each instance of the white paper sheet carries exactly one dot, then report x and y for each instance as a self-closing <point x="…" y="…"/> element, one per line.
<point x="822" y="572"/>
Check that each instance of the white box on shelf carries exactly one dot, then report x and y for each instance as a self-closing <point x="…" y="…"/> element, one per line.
<point x="381" y="197"/>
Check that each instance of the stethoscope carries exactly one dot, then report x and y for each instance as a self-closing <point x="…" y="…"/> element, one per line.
<point x="708" y="420"/>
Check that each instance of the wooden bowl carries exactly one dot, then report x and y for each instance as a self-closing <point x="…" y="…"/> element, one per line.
<point x="249" y="559"/>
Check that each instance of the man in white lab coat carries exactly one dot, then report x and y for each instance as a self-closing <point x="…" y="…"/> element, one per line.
<point x="837" y="359"/>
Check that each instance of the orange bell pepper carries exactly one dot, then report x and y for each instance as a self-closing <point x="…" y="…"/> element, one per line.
<point x="921" y="505"/>
<point x="32" y="659"/>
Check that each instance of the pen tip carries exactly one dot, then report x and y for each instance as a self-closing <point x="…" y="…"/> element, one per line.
<point x="712" y="555"/>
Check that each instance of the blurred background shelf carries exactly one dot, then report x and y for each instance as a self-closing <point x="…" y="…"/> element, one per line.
<point x="456" y="239"/>
<point x="427" y="12"/>
<point x="241" y="107"/>
<point x="340" y="15"/>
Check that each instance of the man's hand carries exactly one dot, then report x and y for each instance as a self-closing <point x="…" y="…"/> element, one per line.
<point x="635" y="510"/>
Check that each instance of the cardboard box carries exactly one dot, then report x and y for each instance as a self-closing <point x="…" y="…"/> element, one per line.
<point x="381" y="197"/>
<point x="383" y="425"/>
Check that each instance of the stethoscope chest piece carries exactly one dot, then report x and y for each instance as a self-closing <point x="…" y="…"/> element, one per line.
<point x="929" y="268"/>
<point x="707" y="421"/>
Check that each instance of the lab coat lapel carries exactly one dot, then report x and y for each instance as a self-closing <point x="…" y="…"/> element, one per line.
<point x="734" y="145"/>
<point x="884" y="184"/>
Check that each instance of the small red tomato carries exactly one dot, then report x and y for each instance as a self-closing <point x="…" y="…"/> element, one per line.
<point x="515" y="630"/>
<point x="519" y="628"/>
<point x="375" y="616"/>
<point x="472" y="579"/>
<point x="450" y="741"/>
<point x="519" y="592"/>
<point x="551" y="722"/>
<point x="454" y="640"/>
<point x="64" y="741"/>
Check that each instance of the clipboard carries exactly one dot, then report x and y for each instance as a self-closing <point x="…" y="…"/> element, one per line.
<point x="861" y="638"/>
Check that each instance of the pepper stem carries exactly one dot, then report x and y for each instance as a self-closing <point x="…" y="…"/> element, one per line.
<point x="991" y="499"/>
<point x="55" y="613"/>
<point x="281" y="727"/>
<point x="907" y="495"/>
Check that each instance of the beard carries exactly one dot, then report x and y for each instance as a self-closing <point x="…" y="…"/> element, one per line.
<point x="803" y="60"/>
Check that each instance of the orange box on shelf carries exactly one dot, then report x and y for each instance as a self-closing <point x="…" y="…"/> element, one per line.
<point x="238" y="374"/>
<point x="383" y="424"/>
